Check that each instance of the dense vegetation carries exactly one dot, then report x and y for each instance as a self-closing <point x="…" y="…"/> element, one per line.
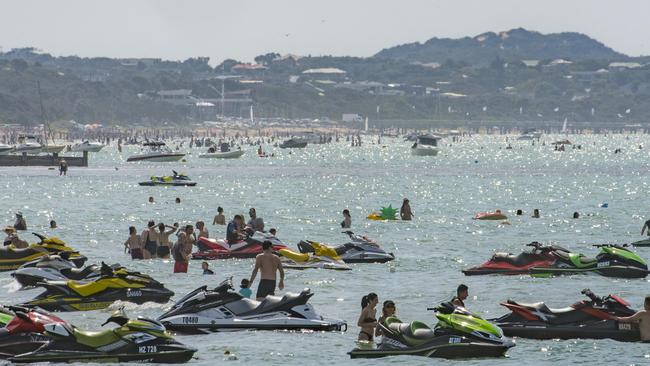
<point x="469" y="82"/>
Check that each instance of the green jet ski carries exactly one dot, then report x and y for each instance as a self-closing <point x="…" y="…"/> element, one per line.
<point x="458" y="334"/>
<point x="140" y="340"/>
<point x="169" y="180"/>
<point x="612" y="261"/>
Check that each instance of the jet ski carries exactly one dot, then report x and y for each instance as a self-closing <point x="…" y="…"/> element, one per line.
<point x="458" y="334"/>
<point x="169" y="180"/>
<point x="22" y="329"/>
<point x="55" y="268"/>
<point x="612" y="261"/>
<point x="585" y="319"/>
<point x="359" y="250"/>
<point x="509" y="264"/>
<point x="222" y="309"/>
<point x="141" y="340"/>
<point x="113" y="285"/>
<point x="249" y="248"/>
<point x="641" y="243"/>
<point x="328" y="259"/>
<point x="11" y="257"/>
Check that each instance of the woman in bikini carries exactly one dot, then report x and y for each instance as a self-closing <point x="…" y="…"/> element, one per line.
<point x="368" y="318"/>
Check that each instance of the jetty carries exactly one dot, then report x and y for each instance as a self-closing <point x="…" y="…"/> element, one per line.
<point x="43" y="160"/>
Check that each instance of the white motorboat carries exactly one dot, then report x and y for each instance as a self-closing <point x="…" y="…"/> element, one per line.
<point x="530" y="135"/>
<point x="28" y="144"/>
<point x="225" y="153"/>
<point x="5" y="149"/>
<point x="426" y="145"/>
<point x="87" y="146"/>
<point x="158" y="152"/>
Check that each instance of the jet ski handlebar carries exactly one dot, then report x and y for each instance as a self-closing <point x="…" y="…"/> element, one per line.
<point x="587" y="292"/>
<point x="610" y="245"/>
<point x="40" y="236"/>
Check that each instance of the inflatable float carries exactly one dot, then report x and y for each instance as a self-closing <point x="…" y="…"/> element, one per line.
<point x="386" y="213"/>
<point x="497" y="215"/>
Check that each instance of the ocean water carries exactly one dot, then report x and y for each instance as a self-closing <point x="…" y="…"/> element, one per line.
<point x="302" y="194"/>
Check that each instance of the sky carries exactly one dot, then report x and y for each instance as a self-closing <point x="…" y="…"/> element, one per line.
<point x="242" y="29"/>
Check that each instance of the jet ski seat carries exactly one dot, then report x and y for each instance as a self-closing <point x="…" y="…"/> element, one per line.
<point x="11" y="252"/>
<point x="79" y="273"/>
<point x="96" y="339"/>
<point x="541" y="307"/>
<point x="272" y="303"/>
<point x="517" y="260"/>
<point x="415" y="333"/>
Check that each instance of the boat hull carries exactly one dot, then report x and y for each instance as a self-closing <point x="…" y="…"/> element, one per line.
<point x="223" y="155"/>
<point x="159" y="158"/>
<point x="425" y="151"/>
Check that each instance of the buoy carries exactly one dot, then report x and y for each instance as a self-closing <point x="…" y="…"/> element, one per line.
<point x="604" y="205"/>
<point x="475" y="161"/>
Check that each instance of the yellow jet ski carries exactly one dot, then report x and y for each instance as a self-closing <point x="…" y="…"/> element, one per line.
<point x="323" y="257"/>
<point x="11" y="257"/>
<point x="113" y="285"/>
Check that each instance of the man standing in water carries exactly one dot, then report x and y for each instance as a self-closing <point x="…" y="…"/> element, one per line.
<point x="268" y="263"/>
<point x="405" y="212"/>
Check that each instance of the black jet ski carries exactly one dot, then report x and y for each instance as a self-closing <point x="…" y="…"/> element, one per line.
<point x="11" y="258"/>
<point x="55" y="268"/>
<point x="141" y="340"/>
<point x="360" y="249"/>
<point x="222" y="309"/>
<point x="584" y="319"/>
<point x="169" y="180"/>
<point x="612" y="261"/>
<point x="641" y="243"/>
<point x="113" y="285"/>
<point x="458" y="334"/>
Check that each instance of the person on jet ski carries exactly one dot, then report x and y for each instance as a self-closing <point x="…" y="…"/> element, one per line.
<point x="268" y="263"/>
<point x="12" y="238"/>
<point x="642" y="317"/>
<point x="462" y="292"/>
<point x="233" y="234"/>
<point x="20" y="223"/>
<point x="387" y="311"/>
<point x="255" y="223"/>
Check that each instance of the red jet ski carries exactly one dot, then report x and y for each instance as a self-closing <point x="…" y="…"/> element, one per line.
<point x="509" y="264"/>
<point x="585" y="319"/>
<point x="249" y="248"/>
<point x="23" y="329"/>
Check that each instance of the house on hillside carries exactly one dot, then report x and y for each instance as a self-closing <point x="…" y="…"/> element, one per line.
<point x="623" y="66"/>
<point x="176" y="96"/>
<point x="326" y="73"/>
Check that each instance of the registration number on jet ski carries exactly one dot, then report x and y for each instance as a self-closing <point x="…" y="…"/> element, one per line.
<point x="603" y="264"/>
<point x="624" y="326"/>
<point x="455" y="340"/>
<point x="147" y="349"/>
<point x="133" y="293"/>
<point x="190" y="320"/>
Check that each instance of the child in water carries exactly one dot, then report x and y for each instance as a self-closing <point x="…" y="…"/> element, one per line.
<point x="206" y="269"/>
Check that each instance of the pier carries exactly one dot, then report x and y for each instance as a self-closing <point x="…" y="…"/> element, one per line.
<point x="43" y="160"/>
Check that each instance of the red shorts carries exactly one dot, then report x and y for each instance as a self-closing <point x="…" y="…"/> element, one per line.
<point x="180" y="267"/>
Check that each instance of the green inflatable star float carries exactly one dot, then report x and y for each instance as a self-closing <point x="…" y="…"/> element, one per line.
<point x="388" y="213"/>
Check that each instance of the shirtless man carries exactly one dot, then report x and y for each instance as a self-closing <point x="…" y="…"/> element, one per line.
<point x="462" y="292"/>
<point x="642" y="317"/>
<point x="164" y="245"/>
<point x="269" y="264"/>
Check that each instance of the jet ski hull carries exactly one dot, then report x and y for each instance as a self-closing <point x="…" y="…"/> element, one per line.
<point x="603" y="329"/>
<point x="216" y="249"/>
<point x="71" y="302"/>
<point x="15" y="344"/>
<point x="607" y="271"/>
<point x="184" y="324"/>
<point x="150" y="352"/>
<point x="316" y="265"/>
<point x="450" y="347"/>
<point x="14" y="264"/>
<point x="172" y="184"/>
<point x="368" y="258"/>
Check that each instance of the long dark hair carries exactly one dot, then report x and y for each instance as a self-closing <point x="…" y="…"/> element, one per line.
<point x="366" y="299"/>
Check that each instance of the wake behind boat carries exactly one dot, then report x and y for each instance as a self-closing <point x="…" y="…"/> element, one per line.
<point x="156" y="151"/>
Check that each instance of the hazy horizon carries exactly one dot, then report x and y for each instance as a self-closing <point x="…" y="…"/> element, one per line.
<point x="178" y="30"/>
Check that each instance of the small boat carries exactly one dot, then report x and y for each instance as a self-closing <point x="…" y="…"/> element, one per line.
<point x="426" y="145"/>
<point x="497" y="215"/>
<point x="87" y="146"/>
<point x="5" y="149"/>
<point x="169" y="180"/>
<point x="293" y="144"/>
<point x="224" y="153"/>
<point x="157" y="151"/>
<point x="562" y="142"/>
<point x="28" y="144"/>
